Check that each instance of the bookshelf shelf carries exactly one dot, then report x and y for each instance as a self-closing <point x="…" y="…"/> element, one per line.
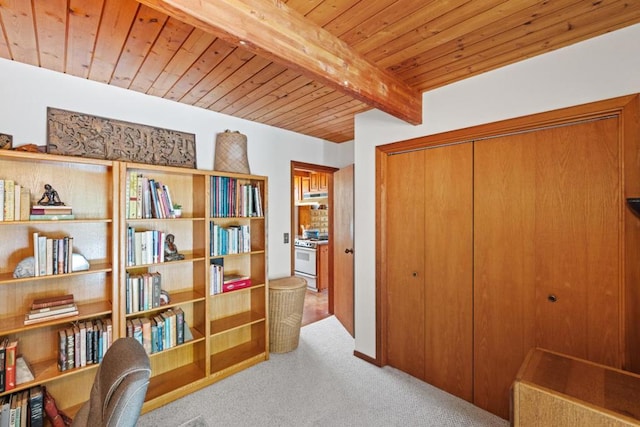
<point x="93" y="269"/>
<point x="236" y="355"/>
<point x="239" y="320"/>
<point x="15" y="324"/>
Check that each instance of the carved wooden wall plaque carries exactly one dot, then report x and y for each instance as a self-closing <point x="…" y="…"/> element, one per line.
<point x="77" y="134"/>
<point x="6" y="141"/>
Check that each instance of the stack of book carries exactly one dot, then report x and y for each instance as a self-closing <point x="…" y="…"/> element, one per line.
<point x="23" y="408"/>
<point x="45" y="309"/>
<point x="51" y="213"/>
<point x="233" y="282"/>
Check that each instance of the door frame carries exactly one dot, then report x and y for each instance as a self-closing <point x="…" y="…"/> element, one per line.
<point x="310" y="167"/>
<point x="627" y="110"/>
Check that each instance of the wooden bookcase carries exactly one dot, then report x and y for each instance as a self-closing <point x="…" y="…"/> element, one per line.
<point x="88" y="186"/>
<point x="230" y="330"/>
<point x="238" y="320"/>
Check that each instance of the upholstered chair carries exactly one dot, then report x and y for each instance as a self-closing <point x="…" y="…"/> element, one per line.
<point x="118" y="388"/>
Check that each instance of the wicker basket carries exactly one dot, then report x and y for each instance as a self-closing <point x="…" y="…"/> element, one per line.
<point x="231" y="153"/>
<point x="286" y="302"/>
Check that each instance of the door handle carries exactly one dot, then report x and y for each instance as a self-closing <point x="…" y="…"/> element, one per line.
<point x="348" y="251"/>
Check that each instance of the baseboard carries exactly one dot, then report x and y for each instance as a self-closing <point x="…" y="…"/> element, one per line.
<point x="367" y="358"/>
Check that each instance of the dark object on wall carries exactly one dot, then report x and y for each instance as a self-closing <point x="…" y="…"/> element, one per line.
<point x="231" y="153"/>
<point x="77" y="134"/>
<point x="6" y="141"/>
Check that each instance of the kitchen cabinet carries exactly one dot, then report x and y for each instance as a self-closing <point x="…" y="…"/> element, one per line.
<point x="322" y="267"/>
<point x="555" y="389"/>
<point x="318" y="182"/>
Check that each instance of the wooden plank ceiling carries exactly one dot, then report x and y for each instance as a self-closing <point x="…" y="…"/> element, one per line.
<point x="422" y="43"/>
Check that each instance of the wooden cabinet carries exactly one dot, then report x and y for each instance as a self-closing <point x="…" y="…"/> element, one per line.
<point x="228" y="331"/>
<point x="429" y="298"/>
<point x="554" y="248"/>
<point x="555" y="389"/>
<point x="297" y="188"/>
<point x="88" y="186"/>
<point x="318" y="182"/>
<point x="322" y="267"/>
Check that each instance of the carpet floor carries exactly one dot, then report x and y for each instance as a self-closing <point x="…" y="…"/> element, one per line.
<point x="321" y="383"/>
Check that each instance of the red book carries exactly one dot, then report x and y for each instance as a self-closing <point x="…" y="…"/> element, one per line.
<point x="52" y="301"/>
<point x="235" y="285"/>
<point x="10" y="368"/>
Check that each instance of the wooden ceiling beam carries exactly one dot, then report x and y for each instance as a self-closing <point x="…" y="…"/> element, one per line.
<point x="270" y="29"/>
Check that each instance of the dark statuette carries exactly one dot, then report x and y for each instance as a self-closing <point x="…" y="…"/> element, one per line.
<point x="50" y="197"/>
<point x="171" y="250"/>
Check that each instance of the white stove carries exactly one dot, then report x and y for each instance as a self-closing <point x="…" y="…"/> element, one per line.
<point x="305" y="260"/>
<point x="308" y="243"/>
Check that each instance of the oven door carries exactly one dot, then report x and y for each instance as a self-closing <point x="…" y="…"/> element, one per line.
<point x="305" y="261"/>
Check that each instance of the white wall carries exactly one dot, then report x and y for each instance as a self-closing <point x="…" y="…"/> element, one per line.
<point x="601" y="68"/>
<point x="27" y="91"/>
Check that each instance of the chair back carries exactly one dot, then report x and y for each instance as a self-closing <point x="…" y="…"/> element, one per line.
<point x="119" y="387"/>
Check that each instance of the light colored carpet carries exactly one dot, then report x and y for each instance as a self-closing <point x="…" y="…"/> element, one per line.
<point x="321" y="383"/>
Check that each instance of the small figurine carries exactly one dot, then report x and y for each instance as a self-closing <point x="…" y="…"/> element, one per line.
<point x="171" y="250"/>
<point x="51" y="196"/>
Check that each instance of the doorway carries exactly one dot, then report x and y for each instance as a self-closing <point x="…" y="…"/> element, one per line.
<point x="311" y="231"/>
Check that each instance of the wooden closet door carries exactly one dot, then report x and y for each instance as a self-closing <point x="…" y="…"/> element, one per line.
<point x="546" y="251"/>
<point x="430" y="272"/>
<point x="405" y="264"/>
<point x="448" y="260"/>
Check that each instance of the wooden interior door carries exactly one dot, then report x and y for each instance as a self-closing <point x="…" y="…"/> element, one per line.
<point x="405" y="263"/>
<point x="546" y="251"/>
<point x="343" y="248"/>
<point x="448" y="266"/>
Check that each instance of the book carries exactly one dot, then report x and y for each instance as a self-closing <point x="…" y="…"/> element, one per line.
<point x="9" y="194"/>
<point x="11" y="354"/>
<point x="52" y="301"/>
<point x="5" y="402"/>
<point x="36" y="406"/>
<point x="179" y="325"/>
<point x="3" y="343"/>
<point x="23" y="371"/>
<point x="51" y="317"/>
<point x="51" y="217"/>
<point x="235" y="285"/>
<point x="25" y="198"/>
<point x="1" y="202"/>
<point x="62" y="350"/>
<point x="51" y="210"/>
<point x="71" y="348"/>
<point x="83" y="343"/>
<point x="146" y="334"/>
<point x="16" y="201"/>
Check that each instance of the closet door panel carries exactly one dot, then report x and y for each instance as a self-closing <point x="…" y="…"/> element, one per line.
<point x="504" y="229"/>
<point x="546" y="251"/>
<point x="448" y="195"/>
<point x="577" y="240"/>
<point x="405" y="266"/>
